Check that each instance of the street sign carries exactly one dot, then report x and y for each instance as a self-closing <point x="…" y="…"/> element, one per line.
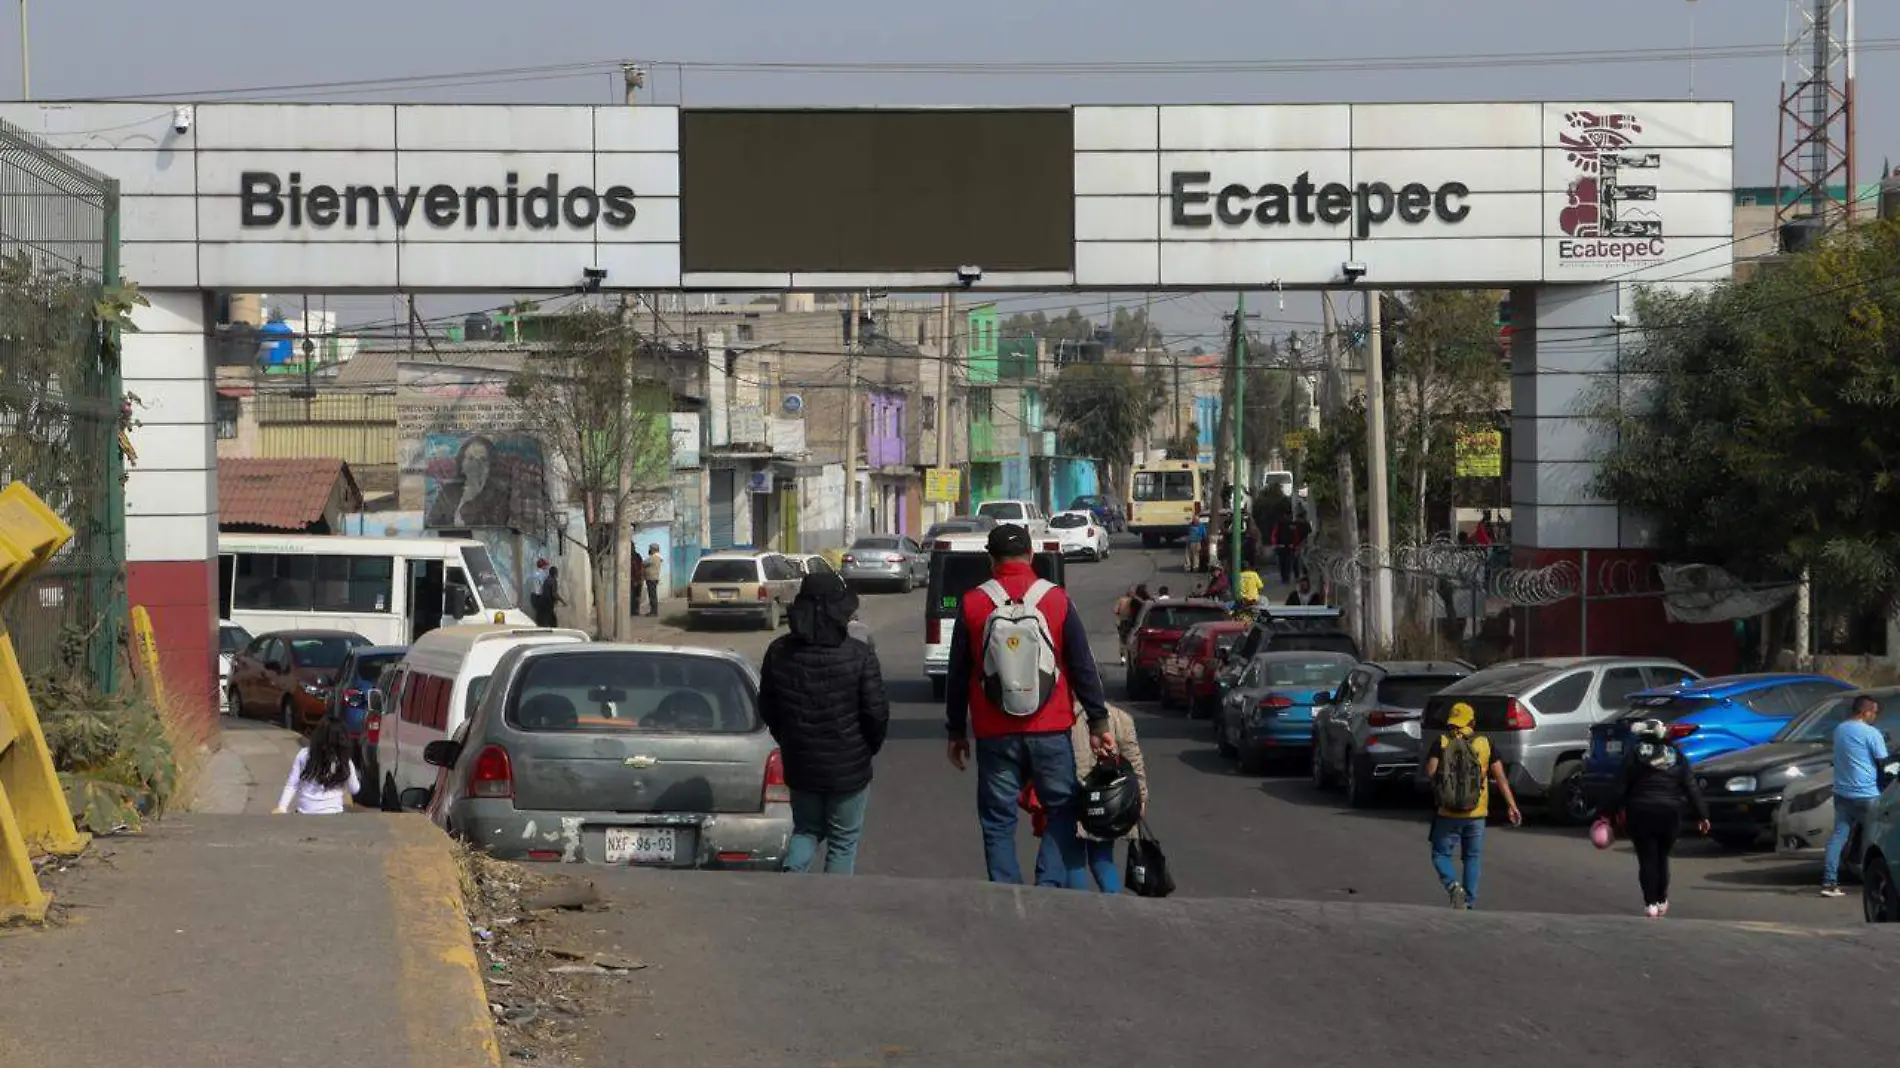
<point x="1295" y="440"/>
<point x="1479" y="452"/>
<point x="943" y="484"/>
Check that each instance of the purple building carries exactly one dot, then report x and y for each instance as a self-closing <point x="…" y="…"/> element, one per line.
<point x="891" y="477"/>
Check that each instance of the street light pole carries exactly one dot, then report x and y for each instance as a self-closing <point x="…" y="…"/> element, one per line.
<point x="26" y="58"/>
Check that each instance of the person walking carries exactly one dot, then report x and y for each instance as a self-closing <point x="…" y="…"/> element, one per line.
<point x="323" y="777"/>
<point x="1858" y="751"/>
<point x="1010" y="630"/>
<point x="1655" y="784"/>
<point x="1098" y="856"/>
<point x="1196" y="539"/>
<point x="1125" y="610"/>
<point x="540" y="606"/>
<point x="822" y="696"/>
<point x="1459" y="762"/>
<point x="1305" y="594"/>
<point x="1285" y="543"/>
<point x="656" y="566"/>
<point x="1248" y="587"/>
<point x="637" y="580"/>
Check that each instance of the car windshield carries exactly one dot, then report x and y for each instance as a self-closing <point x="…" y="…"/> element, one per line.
<point x="950" y="528"/>
<point x="1668" y="708"/>
<point x="495" y="594"/>
<point x="368" y="668"/>
<point x="1164" y="485"/>
<point x="1502" y="679"/>
<point x="1181" y="616"/>
<point x="1087" y="502"/>
<point x="231" y="638"/>
<point x="634" y="691"/>
<point x="1002" y="510"/>
<point x="1068" y="520"/>
<point x="954" y="574"/>
<point x="324" y="652"/>
<point x="1319" y="672"/>
<point x="1412" y="691"/>
<point x="875" y="543"/>
<point x="1816" y="724"/>
<point x="1317" y="642"/>
<point x="727" y="570"/>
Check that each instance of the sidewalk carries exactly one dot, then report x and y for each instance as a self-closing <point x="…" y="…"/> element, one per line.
<point x="247" y="940"/>
<point x="246" y="773"/>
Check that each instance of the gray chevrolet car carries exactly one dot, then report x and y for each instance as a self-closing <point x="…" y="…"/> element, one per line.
<point x="890" y="560"/>
<point x="1367" y="736"/>
<point x="643" y="755"/>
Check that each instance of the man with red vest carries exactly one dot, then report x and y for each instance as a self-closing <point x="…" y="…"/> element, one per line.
<point x="1016" y="750"/>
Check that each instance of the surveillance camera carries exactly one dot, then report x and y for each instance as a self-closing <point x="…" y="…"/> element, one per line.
<point x="181" y="118"/>
<point x="592" y="277"/>
<point x="1353" y="270"/>
<point x="1620" y="319"/>
<point x="968" y="276"/>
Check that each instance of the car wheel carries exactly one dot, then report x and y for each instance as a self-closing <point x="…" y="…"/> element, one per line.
<point x="1322" y="776"/>
<point x="1150" y="541"/>
<point x="392" y="797"/>
<point x="233" y="704"/>
<point x="1740" y="841"/>
<point x="907" y="583"/>
<point x="289" y="717"/>
<point x="1568" y="804"/>
<point x="1879" y="897"/>
<point x="1221" y="742"/>
<point x="771" y="616"/>
<point x="1361" y="791"/>
<point x="1251" y="761"/>
<point x="939" y="687"/>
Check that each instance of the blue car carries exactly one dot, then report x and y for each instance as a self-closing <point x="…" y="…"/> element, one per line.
<point x="1268" y="711"/>
<point x="1706" y="718"/>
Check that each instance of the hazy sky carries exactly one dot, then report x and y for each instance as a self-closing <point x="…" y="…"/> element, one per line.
<point x="108" y="49"/>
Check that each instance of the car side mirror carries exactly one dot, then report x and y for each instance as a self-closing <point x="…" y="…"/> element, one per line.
<point x="415" y="798"/>
<point x="441" y="753"/>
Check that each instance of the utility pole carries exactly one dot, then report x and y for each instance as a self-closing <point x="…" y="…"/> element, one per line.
<point x="26" y="58"/>
<point x="1236" y="528"/>
<point x="1348" y="505"/>
<point x="946" y="313"/>
<point x="1295" y="430"/>
<point x="633" y="78"/>
<point x="851" y="422"/>
<point x="1379" y="529"/>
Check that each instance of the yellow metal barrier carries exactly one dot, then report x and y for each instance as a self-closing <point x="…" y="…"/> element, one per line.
<point x="34" y="817"/>
<point x="147" y="642"/>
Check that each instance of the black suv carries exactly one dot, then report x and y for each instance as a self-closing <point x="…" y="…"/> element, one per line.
<point x="1289" y="629"/>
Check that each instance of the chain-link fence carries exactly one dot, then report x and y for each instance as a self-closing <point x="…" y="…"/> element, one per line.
<point x="61" y="402"/>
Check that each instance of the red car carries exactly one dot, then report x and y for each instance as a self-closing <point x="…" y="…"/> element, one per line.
<point x="1187" y="672"/>
<point x="287" y="676"/>
<point x="1160" y="625"/>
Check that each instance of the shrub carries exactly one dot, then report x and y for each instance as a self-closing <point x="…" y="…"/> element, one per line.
<point x="115" y="756"/>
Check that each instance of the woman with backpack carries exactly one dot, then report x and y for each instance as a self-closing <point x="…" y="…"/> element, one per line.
<point x="1457" y="766"/>
<point x="1655" y="784"/>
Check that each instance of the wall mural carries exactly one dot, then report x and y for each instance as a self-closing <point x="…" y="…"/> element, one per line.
<point x="482" y="480"/>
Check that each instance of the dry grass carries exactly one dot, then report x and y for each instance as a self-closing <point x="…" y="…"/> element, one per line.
<point x="190" y="752"/>
<point x="1862" y="671"/>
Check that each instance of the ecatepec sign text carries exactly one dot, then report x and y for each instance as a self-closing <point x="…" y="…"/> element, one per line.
<point x="1196" y="204"/>
<point x="268" y="200"/>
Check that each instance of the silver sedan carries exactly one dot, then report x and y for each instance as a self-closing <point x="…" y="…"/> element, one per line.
<point x="889" y="560"/>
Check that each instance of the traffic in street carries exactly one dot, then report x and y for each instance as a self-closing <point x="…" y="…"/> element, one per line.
<point x="1272" y="835"/>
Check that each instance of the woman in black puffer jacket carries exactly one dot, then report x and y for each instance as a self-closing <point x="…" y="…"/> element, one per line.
<point x="822" y="697"/>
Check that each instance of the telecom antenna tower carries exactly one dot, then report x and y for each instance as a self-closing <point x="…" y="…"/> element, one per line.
<point x="1814" y="174"/>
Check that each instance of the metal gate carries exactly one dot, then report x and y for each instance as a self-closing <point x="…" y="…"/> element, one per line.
<point x="60" y="402"/>
<point x="719" y="508"/>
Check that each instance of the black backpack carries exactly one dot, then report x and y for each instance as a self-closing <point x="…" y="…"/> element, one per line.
<point x="1458" y="784"/>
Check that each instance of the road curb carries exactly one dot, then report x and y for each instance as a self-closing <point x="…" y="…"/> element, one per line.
<point x="439" y="979"/>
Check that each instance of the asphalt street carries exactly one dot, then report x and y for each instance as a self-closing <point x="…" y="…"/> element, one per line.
<point x="1229" y="835"/>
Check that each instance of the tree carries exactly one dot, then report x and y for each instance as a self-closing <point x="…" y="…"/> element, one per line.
<point x="1446" y="370"/>
<point x="1766" y="441"/>
<point x="1101" y="410"/>
<point x="1185" y="445"/>
<point x="596" y="399"/>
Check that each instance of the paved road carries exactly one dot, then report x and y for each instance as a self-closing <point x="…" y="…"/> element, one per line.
<point x="1274" y="837"/>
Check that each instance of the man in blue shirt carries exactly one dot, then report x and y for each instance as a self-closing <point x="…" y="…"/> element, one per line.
<point x="1196" y="540"/>
<point x="1858" y="751"/>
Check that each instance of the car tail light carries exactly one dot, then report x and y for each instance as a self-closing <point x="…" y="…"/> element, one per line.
<point x="1388" y="717"/>
<point x="1517" y="717"/>
<point x="372" y="730"/>
<point x="1275" y="702"/>
<point x="893" y="558"/>
<point x="351" y="696"/>
<point x="544" y="855"/>
<point x="849" y="559"/>
<point x="1679" y="731"/>
<point x="942" y="545"/>
<point x="764" y="594"/>
<point x="493" y="774"/>
<point x="775" y="788"/>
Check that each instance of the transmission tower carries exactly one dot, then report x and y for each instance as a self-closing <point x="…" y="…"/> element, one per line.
<point x="1814" y="179"/>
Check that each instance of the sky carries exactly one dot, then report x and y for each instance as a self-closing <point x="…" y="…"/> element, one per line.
<point x="751" y="52"/>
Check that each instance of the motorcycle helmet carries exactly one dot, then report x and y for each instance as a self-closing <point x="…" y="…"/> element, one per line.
<point x="1111" y="799"/>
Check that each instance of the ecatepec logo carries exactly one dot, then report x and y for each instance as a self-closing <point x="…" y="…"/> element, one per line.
<point x="1606" y="219"/>
<point x="1195" y="204"/>
<point x="266" y="200"/>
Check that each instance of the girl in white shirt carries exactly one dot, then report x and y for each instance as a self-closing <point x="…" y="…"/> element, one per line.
<point x="323" y="777"/>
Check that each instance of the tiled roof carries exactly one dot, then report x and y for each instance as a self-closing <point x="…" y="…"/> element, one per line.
<point x="277" y="494"/>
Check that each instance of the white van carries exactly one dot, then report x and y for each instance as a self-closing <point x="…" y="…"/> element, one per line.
<point x="430" y="694"/>
<point x="960" y="563"/>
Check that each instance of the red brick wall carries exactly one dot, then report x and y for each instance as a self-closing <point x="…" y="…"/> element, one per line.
<point x="181" y="597"/>
<point x="1616" y="625"/>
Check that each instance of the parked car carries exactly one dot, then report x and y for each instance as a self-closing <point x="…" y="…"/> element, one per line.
<point x="1538" y="714"/>
<point x="1286" y="629"/>
<point x="231" y="639"/>
<point x="1023" y="513"/>
<point x="959" y="524"/>
<point x="1106" y="510"/>
<point x="1880" y="855"/>
<point x="742" y="585"/>
<point x="359" y="673"/>
<point x="813" y="564"/>
<point x="1187" y="672"/>
<point x="1783" y="792"/>
<point x="891" y="560"/>
<point x="286" y="675"/>
<point x="1367" y="735"/>
<point x="1160" y="625"/>
<point x="1080" y="535"/>
<point x="1270" y="709"/>
<point x="1707" y="718"/>
<point x="643" y="755"/>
